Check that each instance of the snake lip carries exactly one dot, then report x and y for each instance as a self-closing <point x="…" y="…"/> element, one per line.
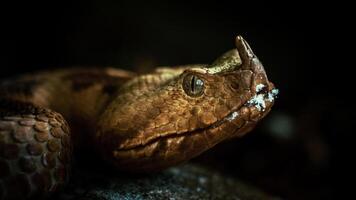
<point x="228" y="118"/>
<point x="263" y="92"/>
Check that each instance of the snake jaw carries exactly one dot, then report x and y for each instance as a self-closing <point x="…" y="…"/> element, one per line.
<point x="176" y="148"/>
<point x="237" y="123"/>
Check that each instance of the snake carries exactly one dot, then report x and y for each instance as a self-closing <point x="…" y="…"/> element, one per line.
<point x="134" y="122"/>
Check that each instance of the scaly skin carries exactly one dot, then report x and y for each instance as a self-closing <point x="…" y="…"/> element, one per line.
<point x="136" y="122"/>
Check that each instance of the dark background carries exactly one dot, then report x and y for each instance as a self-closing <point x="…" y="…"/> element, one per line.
<point x="301" y="150"/>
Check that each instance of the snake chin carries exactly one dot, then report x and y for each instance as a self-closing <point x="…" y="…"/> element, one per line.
<point x="176" y="148"/>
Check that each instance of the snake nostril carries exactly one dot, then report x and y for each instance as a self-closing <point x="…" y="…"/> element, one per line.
<point x="261" y="89"/>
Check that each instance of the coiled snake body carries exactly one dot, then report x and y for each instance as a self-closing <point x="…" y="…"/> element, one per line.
<point x="137" y="123"/>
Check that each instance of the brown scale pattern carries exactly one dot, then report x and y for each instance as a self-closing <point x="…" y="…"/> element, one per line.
<point x="33" y="160"/>
<point x="138" y="123"/>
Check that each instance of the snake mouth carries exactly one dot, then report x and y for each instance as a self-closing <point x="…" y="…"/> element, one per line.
<point x="251" y="110"/>
<point x="164" y="151"/>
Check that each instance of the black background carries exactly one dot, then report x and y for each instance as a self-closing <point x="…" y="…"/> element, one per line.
<point x="297" y="42"/>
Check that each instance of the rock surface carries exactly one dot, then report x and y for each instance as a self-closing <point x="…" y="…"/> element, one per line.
<point x="184" y="182"/>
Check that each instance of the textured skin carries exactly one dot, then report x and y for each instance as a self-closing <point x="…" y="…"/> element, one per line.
<point x="137" y="123"/>
<point x="35" y="150"/>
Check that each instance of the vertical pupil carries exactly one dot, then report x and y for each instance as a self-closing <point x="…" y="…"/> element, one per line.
<point x="192" y="84"/>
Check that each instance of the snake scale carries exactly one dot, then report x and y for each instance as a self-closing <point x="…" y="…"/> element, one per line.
<point x="137" y="123"/>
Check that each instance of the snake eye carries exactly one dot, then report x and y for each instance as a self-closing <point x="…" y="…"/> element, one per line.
<point x="193" y="85"/>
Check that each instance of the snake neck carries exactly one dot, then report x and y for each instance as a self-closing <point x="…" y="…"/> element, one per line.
<point x="79" y="94"/>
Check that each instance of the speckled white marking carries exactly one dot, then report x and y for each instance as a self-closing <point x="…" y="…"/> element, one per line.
<point x="272" y="95"/>
<point x="258" y="101"/>
<point x="232" y="116"/>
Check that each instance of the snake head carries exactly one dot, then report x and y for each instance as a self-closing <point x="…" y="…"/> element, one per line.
<point x="151" y="128"/>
